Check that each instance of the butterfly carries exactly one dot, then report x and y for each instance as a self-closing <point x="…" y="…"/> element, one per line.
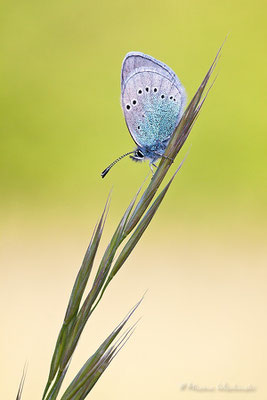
<point x="152" y="100"/>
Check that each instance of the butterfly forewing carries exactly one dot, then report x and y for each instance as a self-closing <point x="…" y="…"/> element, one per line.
<point x="135" y="60"/>
<point x="152" y="100"/>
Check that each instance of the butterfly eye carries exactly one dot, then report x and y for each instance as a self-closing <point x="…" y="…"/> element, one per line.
<point x="174" y="99"/>
<point x="147" y="89"/>
<point x="128" y="106"/>
<point x="155" y="89"/>
<point x="140" y="91"/>
<point x="138" y="127"/>
<point x="162" y="96"/>
<point x="134" y="102"/>
<point x="171" y="97"/>
<point x="139" y="154"/>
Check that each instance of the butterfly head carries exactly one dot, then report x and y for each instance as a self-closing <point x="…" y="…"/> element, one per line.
<point x="138" y="155"/>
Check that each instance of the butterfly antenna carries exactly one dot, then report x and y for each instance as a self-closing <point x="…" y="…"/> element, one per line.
<point x="104" y="173"/>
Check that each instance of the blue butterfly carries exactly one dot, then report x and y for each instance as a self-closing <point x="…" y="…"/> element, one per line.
<point x="152" y="100"/>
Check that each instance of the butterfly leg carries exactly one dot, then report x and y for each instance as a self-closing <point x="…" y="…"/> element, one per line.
<point x="166" y="157"/>
<point x="154" y="165"/>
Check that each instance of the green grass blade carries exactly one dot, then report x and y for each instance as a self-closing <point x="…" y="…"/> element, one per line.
<point x="53" y="393"/>
<point x="114" y="244"/>
<point x="75" y="299"/>
<point x="87" y="307"/>
<point x="134" y="222"/>
<point x="143" y="224"/>
<point x="94" y="363"/>
<point x="21" y="384"/>
<point x="136" y="236"/>
<point x="85" y="270"/>
<point x="178" y="138"/>
<point x="103" y="364"/>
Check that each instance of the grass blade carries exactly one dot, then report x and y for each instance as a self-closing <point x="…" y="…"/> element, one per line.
<point x="75" y="299"/>
<point x="133" y="223"/>
<point x="21" y="384"/>
<point x="136" y="236"/>
<point x="92" y="366"/>
<point x="177" y="141"/>
<point x="103" y="270"/>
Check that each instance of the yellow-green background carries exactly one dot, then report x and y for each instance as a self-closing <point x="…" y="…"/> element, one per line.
<point x="203" y="259"/>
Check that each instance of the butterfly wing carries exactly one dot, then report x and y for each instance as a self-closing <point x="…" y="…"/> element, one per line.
<point x="152" y="99"/>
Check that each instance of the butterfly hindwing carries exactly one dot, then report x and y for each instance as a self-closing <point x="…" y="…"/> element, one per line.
<point x="152" y="100"/>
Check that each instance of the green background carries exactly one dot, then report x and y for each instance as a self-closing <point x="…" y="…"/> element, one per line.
<point x="61" y="121"/>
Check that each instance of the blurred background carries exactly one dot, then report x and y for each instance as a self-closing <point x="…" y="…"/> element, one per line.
<point x="203" y="258"/>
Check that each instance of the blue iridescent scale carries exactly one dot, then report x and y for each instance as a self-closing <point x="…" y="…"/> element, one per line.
<point x="157" y="123"/>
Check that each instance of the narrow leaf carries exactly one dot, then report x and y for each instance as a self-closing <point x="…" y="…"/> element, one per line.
<point x="22" y="381"/>
<point x="52" y="395"/>
<point x="93" y="364"/>
<point x="75" y="298"/>
<point x="88" y="305"/>
<point x="177" y="140"/>
<point x="136" y="236"/>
